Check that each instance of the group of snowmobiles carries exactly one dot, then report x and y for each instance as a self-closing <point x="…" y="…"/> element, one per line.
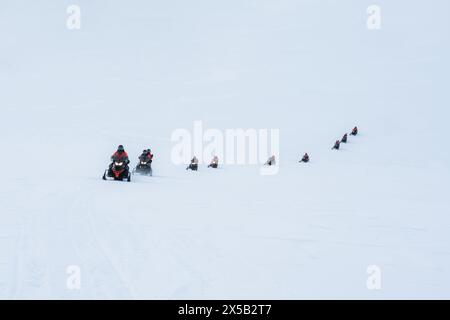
<point x="305" y="158"/>
<point x="119" y="168"/>
<point x="337" y="144"/>
<point x="194" y="163"/>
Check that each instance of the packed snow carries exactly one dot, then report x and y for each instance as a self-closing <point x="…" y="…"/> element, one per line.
<point x="138" y="70"/>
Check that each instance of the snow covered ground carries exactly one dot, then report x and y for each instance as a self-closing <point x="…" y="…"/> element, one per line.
<point x="138" y="70"/>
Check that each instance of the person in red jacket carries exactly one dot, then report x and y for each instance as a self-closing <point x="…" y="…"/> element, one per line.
<point x="149" y="156"/>
<point x="120" y="156"/>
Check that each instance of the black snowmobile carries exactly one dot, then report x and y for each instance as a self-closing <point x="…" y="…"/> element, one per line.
<point x="117" y="171"/>
<point x="144" y="167"/>
<point x="193" y="167"/>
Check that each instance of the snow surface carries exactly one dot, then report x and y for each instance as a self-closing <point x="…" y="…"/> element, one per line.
<point x="137" y="70"/>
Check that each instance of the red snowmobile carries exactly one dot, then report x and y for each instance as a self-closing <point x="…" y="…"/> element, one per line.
<point x="117" y="171"/>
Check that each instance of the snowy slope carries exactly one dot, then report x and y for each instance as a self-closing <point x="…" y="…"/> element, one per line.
<point x="138" y="70"/>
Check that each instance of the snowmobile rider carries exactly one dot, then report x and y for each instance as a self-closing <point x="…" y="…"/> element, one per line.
<point x="336" y="145"/>
<point x="150" y="155"/>
<point x="146" y="156"/>
<point x="354" y="131"/>
<point x="271" y="161"/>
<point x="344" y="138"/>
<point x="194" y="164"/>
<point x="305" y="158"/>
<point x="120" y="156"/>
<point x="214" y="163"/>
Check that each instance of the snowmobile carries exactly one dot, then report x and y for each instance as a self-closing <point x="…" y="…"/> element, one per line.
<point x="144" y="167"/>
<point x="214" y="163"/>
<point x="305" y="158"/>
<point x="194" y="164"/>
<point x="336" y="145"/>
<point x="193" y="167"/>
<point x="118" y="171"/>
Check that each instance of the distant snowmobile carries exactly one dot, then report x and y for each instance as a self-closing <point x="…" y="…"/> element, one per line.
<point x="305" y="158"/>
<point x="336" y="145"/>
<point x="344" y="138"/>
<point x="194" y="164"/>
<point x="214" y="163"/>
<point x="354" y="131"/>
<point x="118" y="169"/>
<point x="144" y="166"/>
<point x="271" y="161"/>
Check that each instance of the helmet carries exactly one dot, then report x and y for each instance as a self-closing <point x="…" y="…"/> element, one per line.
<point x="149" y="150"/>
<point x="120" y="148"/>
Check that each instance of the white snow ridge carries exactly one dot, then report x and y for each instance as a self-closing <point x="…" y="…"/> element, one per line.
<point x="368" y="221"/>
